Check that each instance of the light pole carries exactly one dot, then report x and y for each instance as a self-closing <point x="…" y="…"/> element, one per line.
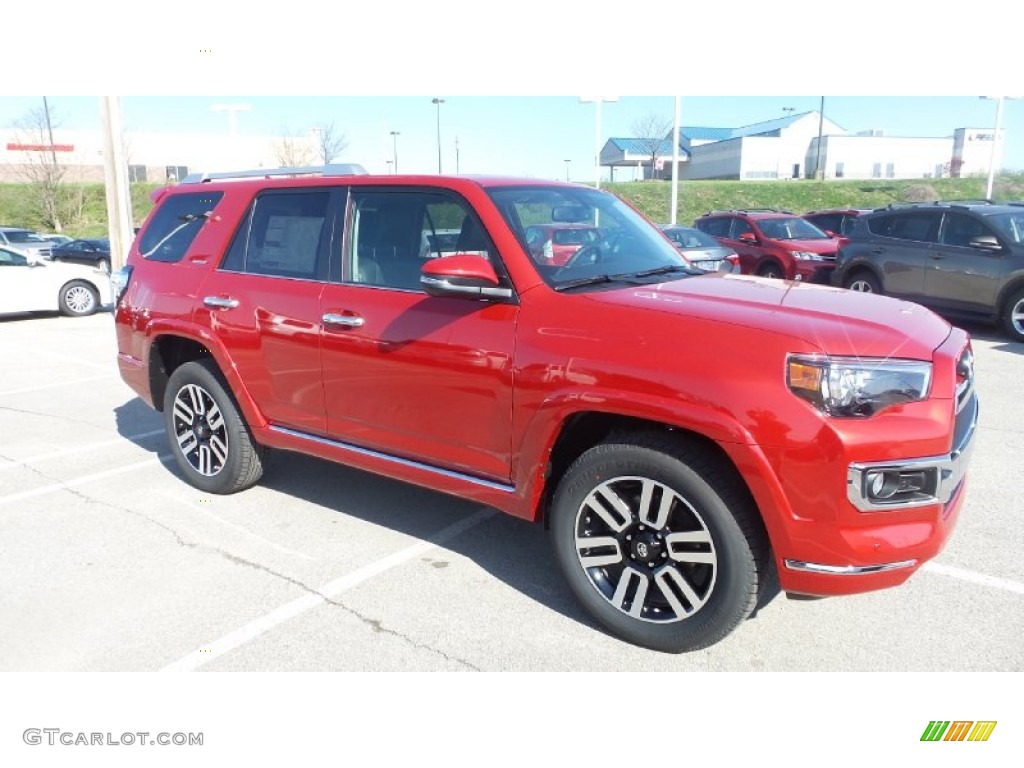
<point x="456" y="155"/>
<point x="995" y="142"/>
<point x="394" y="148"/>
<point x="390" y="166"/>
<point x="438" y="102"/>
<point x="567" y="169"/>
<point x="597" y="132"/>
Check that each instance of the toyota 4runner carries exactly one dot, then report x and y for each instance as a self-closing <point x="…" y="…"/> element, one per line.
<point x="690" y="439"/>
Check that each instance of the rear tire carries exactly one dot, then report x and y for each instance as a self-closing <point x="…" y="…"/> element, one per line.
<point x="862" y="282"/>
<point x="1013" y="316"/>
<point x="209" y="438"/>
<point x="78" y="299"/>
<point x="659" y="542"/>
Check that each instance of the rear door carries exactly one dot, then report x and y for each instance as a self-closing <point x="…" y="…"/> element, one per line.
<point x="960" y="277"/>
<point x="263" y="302"/>
<point x="901" y="250"/>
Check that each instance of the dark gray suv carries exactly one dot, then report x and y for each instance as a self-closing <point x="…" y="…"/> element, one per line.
<point x="962" y="260"/>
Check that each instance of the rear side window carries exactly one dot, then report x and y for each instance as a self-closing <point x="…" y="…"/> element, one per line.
<point x="919" y="226"/>
<point x="716" y="227"/>
<point x="175" y="225"/>
<point x="285" y="234"/>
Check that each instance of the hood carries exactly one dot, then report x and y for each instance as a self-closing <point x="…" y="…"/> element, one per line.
<point x="829" y="246"/>
<point x="831" y="320"/>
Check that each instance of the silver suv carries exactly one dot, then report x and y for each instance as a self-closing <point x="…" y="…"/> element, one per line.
<point x="28" y="242"/>
<point x="960" y="259"/>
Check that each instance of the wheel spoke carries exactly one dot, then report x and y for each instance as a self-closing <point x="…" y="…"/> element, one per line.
<point x="688" y="555"/>
<point x="205" y="460"/>
<point x="616" y="518"/>
<point x="624" y="593"/>
<point x="187" y="442"/>
<point x="219" y="448"/>
<point x="214" y="417"/>
<point x="601" y="550"/>
<point x="670" y="582"/>
<point x="182" y="412"/>
<point x="664" y="507"/>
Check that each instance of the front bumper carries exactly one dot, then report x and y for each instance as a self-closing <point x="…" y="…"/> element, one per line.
<point x="817" y="272"/>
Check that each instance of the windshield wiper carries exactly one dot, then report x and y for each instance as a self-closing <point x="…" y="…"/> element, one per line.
<point x="666" y="270"/>
<point x="592" y="280"/>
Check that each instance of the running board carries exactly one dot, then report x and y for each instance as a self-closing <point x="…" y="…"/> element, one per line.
<point x="393" y="459"/>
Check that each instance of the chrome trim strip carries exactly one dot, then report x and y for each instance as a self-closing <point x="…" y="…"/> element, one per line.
<point x="393" y="459"/>
<point x="847" y="570"/>
<point x="950" y="470"/>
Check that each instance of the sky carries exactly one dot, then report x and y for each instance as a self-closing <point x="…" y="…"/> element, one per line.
<point x="515" y="135"/>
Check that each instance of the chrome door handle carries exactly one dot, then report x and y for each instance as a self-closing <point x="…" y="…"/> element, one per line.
<point x="218" y="302"/>
<point x="345" y="321"/>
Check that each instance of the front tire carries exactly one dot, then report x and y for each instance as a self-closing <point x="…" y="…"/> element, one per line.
<point x="771" y="270"/>
<point x="78" y="299"/>
<point x="659" y="541"/>
<point x="210" y="440"/>
<point x="1013" y="316"/>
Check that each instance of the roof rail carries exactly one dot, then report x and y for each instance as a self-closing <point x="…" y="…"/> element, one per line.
<point x="338" y="169"/>
<point x="749" y="210"/>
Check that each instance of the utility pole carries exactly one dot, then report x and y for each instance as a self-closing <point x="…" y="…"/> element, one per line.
<point x="115" y="167"/>
<point x="817" y="163"/>
<point x="394" y="148"/>
<point x="438" y="103"/>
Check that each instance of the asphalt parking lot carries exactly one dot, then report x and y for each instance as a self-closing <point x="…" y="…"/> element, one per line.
<point x="111" y="562"/>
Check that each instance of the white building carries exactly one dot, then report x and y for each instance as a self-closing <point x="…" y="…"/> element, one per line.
<point x="156" y="157"/>
<point x="788" y="148"/>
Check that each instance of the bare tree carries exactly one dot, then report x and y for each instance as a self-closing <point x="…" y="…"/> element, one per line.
<point x="330" y="143"/>
<point x="649" y="133"/>
<point x="291" y="151"/>
<point x="39" y="166"/>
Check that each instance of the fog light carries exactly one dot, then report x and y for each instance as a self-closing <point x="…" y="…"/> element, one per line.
<point x="883" y="484"/>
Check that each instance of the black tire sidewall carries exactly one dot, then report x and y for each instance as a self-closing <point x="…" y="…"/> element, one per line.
<point x="730" y="601"/>
<point x="865" y="277"/>
<point x="63" y="304"/>
<point x="198" y="373"/>
<point x="1015" y="299"/>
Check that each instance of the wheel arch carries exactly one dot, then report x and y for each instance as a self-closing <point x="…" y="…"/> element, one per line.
<point x="1014" y="285"/>
<point x="858" y="267"/>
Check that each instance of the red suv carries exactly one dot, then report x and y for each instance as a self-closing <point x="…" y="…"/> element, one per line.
<point x="605" y="397"/>
<point x="773" y="243"/>
<point x="557" y="243"/>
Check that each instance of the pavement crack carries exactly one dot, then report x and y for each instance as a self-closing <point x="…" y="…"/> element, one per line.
<point x="377" y="626"/>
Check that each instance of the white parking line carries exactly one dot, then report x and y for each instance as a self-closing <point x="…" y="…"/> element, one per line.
<point x="78" y="449"/>
<point x="81" y="480"/>
<point x="56" y="384"/>
<point x="331" y="589"/>
<point x="974" y="577"/>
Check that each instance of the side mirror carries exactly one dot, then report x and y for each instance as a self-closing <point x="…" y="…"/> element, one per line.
<point x="748" y="237"/>
<point x="462" y="275"/>
<point x="986" y="243"/>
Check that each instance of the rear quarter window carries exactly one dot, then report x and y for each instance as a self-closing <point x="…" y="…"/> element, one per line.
<point x="175" y="224"/>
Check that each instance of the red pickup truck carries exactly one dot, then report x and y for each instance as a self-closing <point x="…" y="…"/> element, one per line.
<point x="688" y="438"/>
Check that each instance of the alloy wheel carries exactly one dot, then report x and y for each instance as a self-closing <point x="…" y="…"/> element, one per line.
<point x="646" y="549"/>
<point x="200" y="430"/>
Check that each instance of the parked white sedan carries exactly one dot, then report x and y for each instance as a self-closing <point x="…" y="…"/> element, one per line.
<point x="28" y="284"/>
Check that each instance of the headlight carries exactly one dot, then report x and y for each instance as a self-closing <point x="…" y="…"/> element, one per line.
<point x="857" y="386"/>
<point x="807" y="256"/>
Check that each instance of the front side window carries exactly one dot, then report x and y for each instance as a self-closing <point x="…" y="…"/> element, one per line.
<point x="395" y="231"/>
<point x="740" y="227"/>
<point x="175" y="224"/>
<point x="1010" y="225"/>
<point x="959" y="229"/>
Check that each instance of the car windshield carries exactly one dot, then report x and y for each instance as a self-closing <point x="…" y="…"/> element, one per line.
<point x="790" y="229"/>
<point x="691" y="238"/>
<point x="574" y="236"/>
<point x="24" y="237"/>
<point x="1010" y="225"/>
<point x="626" y="248"/>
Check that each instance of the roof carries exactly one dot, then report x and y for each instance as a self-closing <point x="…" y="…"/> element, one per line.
<point x="643" y="147"/>
<point x="706" y="134"/>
